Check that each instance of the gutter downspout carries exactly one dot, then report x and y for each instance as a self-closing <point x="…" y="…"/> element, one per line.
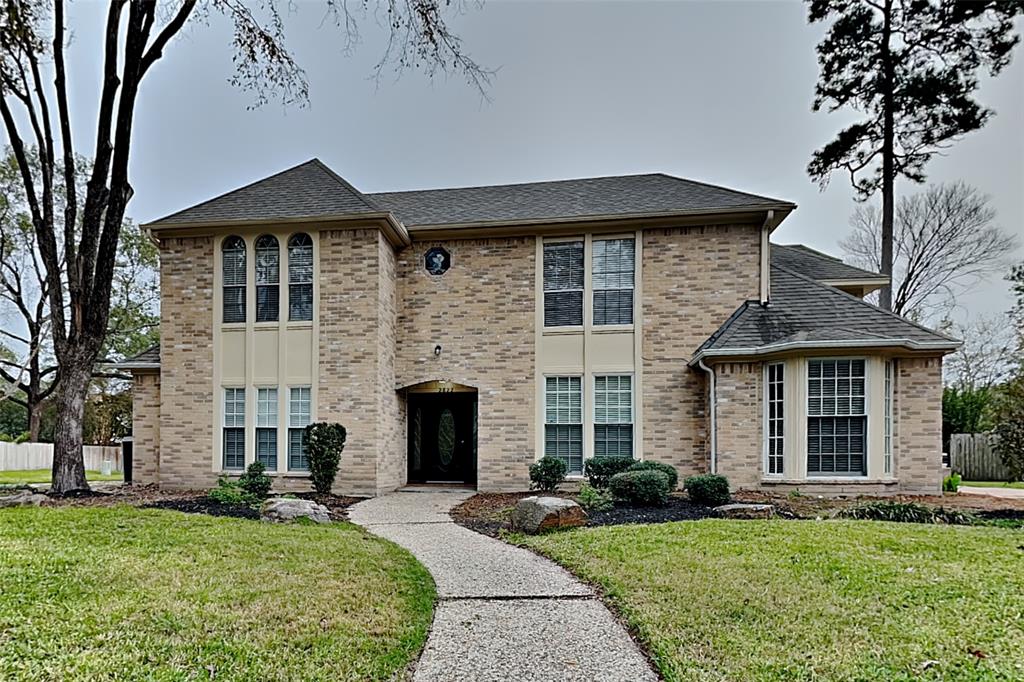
<point x="712" y="409"/>
<point x="766" y="258"/>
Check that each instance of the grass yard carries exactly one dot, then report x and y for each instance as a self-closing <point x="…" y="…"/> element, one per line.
<point x="811" y="600"/>
<point x="129" y="594"/>
<point x="23" y="477"/>
<point x="993" y="484"/>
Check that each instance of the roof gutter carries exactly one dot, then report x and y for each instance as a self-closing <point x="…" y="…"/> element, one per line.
<point x="769" y="218"/>
<point x="712" y="410"/>
<point x="945" y="346"/>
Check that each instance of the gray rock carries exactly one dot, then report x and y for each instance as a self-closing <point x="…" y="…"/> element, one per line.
<point x="537" y="514"/>
<point x="22" y="499"/>
<point x="286" y="509"/>
<point x="745" y="511"/>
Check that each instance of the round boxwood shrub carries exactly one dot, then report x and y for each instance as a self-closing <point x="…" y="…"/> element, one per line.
<point x="547" y="473"/>
<point x="667" y="469"/>
<point x="644" y="488"/>
<point x="711" y="490"/>
<point x="600" y="469"/>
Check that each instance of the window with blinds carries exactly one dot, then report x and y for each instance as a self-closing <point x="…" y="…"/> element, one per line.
<point x="266" y="428"/>
<point x="775" y="418"/>
<point x="613" y="416"/>
<point x="563" y="284"/>
<point x="233" y="274"/>
<point x="268" y="277"/>
<point x="298" y="418"/>
<point x="887" y="438"/>
<point x="234" y="428"/>
<point x="563" y="421"/>
<point x="300" y="277"/>
<point x="613" y="270"/>
<point x="836" y="418"/>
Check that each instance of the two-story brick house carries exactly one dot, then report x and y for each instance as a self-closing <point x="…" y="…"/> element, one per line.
<point x="460" y="334"/>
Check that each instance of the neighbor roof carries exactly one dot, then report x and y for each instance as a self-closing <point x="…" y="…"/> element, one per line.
<point x="308" y="190"/>
<point x="818" y="265"/>
<point x="803" y="313"/>
<point x="613" y="196"/>
<point x="147" y="359"/>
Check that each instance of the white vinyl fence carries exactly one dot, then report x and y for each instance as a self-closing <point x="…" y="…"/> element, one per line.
<point x="973" y="456"/>
<point x="28" y="456"/>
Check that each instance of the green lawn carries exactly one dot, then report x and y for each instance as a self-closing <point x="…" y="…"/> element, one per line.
<point x="811" y="600"/>
<point x="129" y="594"/>
<point x="24" y="476"/>
<point x="993" y="484"/>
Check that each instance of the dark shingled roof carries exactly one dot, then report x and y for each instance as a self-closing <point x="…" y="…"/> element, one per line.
<point x="150" y="356"/>
<point x="805" y="312"/>
<point x="308" y="190"/>
<point x="817" y="265"/>
<point x="561" y="199"/>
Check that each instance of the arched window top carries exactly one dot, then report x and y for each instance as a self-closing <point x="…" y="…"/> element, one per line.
<point x="233" y="243"/>
<point x="233" y="254"/>
<point x="300" y="277"/>
<point x="299" y="240"/>
<point x="267" y="241"/>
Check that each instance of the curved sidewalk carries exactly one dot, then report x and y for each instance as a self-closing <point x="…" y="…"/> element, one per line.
<point x="503" y="612"/>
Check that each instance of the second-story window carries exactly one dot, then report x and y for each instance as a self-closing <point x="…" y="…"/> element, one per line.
<point x="563" y="284"/>
<point x="613" y="281"/>
<point x="300" y="277"/>
<point x="233" y="267"/>
<point x="268" y="291"/>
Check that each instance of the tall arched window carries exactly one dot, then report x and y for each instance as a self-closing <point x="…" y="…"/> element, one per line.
<point x="268" y="292"/>
<point x="233" y="254"/>
<point x="300" y="277"/>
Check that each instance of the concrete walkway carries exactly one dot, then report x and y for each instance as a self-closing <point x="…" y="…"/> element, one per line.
<point x="1005" y="493"/>
<point x="504" y="613"/>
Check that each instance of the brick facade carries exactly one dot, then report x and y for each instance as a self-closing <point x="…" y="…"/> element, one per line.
<point x="146" y="428"/>
<point x="740" y="423"/>
<point x="917" y="449"/>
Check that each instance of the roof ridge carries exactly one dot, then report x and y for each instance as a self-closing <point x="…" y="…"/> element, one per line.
<point x="724" y="188"/>
<point x="515" y="184"/>
<point x="807" y="251"/>
<point x="344" y="183"/>
<point x="839" y="292"/>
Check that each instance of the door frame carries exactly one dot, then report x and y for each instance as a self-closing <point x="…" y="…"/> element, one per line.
<point x="430" y="393"/>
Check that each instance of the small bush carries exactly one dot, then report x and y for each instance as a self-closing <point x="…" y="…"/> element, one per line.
<point x="230" y="492"/>
<point x="594" y="500"/>
<point x="23" y="438"/>
<point x="908" y="512"/>
<point x="255" y="481"/>
<point x="667" y="469"/>
<point x="644" y="488"/>
<point x="600" y="469"/>
<point x="324" y="443"/>
<point x="951" y="483"/>
<point x="547" y="473"/>
<point x="711" y="490"/>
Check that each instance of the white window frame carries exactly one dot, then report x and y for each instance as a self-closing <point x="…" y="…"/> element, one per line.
<point x="267" y="421"/>
<point x="581" y="423"/>
<point x="632" y="409"/>
<point x="781" y="431"/>
<point x="594" y="288"/>
<point x="294" y="426"/>
<point x="234" y="425"/>
<point x="243" y="287"/>
<point x="294" y="282"/>
<point x="808" y="416"/>
<point x="887" y="418"/>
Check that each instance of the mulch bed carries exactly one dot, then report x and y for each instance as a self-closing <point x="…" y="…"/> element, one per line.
<point x="814" y="506"/>
<point x="679" y="508"/>
<point x="205" y="505"/>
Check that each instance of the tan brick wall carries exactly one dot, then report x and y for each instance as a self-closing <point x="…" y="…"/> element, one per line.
<point x="693" y="279"/>
<point x="481" y="313"/>
<point x="186" y="356"/>
<point x="146" y="428"/>
<point x="917" y="455"/>
<point x="391" y="458"/>
<point x="739" y="418"/>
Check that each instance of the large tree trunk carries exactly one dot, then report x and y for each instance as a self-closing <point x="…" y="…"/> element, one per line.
<point x="888" y="165"/>
<point x="68" y="463"/>
<point x="35" y="420"/>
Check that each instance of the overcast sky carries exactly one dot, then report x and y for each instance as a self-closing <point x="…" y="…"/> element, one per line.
<point x="715" y="91"/>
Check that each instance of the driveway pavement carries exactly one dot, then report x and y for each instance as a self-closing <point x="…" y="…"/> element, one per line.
<point x="503" y="612"/>
<point x="1005" y="493"/>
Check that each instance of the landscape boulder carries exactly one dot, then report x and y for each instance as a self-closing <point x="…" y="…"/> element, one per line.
<point x="745" y="511"/>
<point x="22" y="499"/>
<point x="538" y="514"/>
<point x="288" y="509"/>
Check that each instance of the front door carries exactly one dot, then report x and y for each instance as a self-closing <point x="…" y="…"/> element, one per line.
<point x="442" y="437"/>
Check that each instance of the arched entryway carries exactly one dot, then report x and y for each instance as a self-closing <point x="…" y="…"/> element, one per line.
<point x="442" y="418"/>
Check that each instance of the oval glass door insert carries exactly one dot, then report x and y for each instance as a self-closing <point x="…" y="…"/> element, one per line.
<point x="446" y="438"/>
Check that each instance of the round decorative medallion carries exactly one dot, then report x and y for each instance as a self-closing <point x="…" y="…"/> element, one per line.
<point x="437" y="261"/>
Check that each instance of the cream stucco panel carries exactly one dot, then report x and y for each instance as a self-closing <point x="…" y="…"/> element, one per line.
<point x="265" y="356"/>
<point x="299" y="356"/>
<point x="611" y="352"/>
<point x="232" y="356"/>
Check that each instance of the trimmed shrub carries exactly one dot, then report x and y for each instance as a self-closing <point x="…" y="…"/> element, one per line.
<point x="643" y="488"/>
<point x="324" y="443"/>
<point x="593" y="499"/>
<point x="908" y="512"/>
<point x="230" y="492"/>
<point x="600" y="469"/>
<point x="667" y="469"/>
<point x="255" y="481"/>
<point x="547" y="473"/>
<point x="951" y="483"/>
<point x="710" y="490"/>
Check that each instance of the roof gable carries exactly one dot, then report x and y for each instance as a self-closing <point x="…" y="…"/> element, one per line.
<point x="817" y="265"/>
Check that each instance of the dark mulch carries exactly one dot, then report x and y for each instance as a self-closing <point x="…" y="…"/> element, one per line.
<point x="205" y="505"/>
<point x="815" y="506"/>
<point x="337" y="504"/>
<point x="678" y="508"/>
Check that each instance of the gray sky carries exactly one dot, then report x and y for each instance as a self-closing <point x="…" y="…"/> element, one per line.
<point x="714" y="91"/>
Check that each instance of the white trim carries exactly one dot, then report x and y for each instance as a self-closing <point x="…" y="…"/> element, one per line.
<point x="823" y="345"/>
<point x="766" y="421"/>
<point x="866" y="414"/>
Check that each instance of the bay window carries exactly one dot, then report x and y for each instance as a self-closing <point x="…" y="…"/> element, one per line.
<point x="775" y="419"/>
<point x="836" y="418"/>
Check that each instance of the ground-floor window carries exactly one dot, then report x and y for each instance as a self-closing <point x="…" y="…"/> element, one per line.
<point x="613" y="416"/>
<point x="775" y="418"/>
<point x="836" y="418"/>
<point x="887" y="448"/>
<point x="234" y="428"/>
<point x="266" y="428"/>
<point x="298" y="419"/>
<point x="563" y="421"/>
